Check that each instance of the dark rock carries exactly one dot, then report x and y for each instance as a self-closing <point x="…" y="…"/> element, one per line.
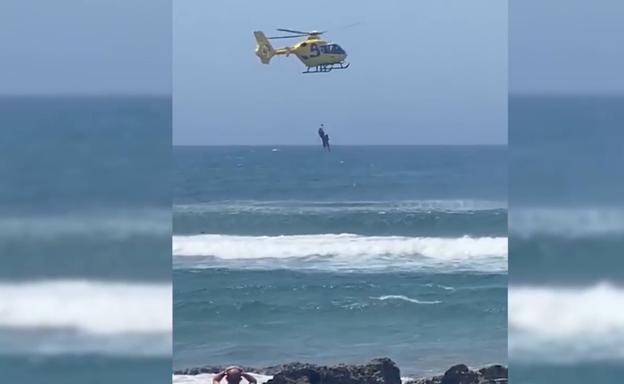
<point x="378" y="371"/>
<point x="493" y="372"/>
<point x="460" y="374"/>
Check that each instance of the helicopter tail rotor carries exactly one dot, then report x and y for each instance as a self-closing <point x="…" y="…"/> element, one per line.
<point x="264" y="50"/>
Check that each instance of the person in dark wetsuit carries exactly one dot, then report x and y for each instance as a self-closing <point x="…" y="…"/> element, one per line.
<point x="326" y="142"/>
<point x="233" y="375"/>
<point x="321" y="133"/>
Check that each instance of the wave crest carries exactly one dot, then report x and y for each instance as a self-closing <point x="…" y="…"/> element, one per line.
<point x="344" y="251"/>
<point x="252" y="247"/>
<point x="81" y="316"/>
<point x="566" y="324"/>
<point x="87" y="306"/>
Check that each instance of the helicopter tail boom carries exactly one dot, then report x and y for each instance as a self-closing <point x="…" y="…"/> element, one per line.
<point x="264" y="50"/>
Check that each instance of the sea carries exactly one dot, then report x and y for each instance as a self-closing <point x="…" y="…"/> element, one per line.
<point x="85" y="244"/>
<point x="291" y="253"/>
<point x="566" y="239"/>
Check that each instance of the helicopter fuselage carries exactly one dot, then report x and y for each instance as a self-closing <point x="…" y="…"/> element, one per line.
<point x="315" y="52"/>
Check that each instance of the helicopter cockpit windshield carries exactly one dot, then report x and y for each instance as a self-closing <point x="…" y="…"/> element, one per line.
<point x="333" y="49"/>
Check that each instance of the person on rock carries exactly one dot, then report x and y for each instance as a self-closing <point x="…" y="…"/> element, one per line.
<point x="233" y="375"/>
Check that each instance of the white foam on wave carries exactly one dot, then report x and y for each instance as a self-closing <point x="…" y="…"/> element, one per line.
<point x="252" y="247"/>
<point x="350" y="251"/>
<point x="81" y="316"/>
<point x="121" y="224"/>
<point x="206" y="378"/>
<point x="444" y="287"/>
<point x="93" y="307"/>
<point x="566" y="324"/>
<point x="342" y="252"/>
<point x="405" y="298"/>
<point x="566" y="222"/>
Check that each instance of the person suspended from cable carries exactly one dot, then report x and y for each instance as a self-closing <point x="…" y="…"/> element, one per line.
<point x="324" y="137"/>
<point x="321" y="133"/>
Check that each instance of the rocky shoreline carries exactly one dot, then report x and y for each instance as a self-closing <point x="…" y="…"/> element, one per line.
<point x="377" y="371"/>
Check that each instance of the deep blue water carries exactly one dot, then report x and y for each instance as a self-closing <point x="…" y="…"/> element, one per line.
<point x="85" y="251"/>
<point x="566" y="150"/>
<point x="290" y="253"/>
<point x="386" y="174"/>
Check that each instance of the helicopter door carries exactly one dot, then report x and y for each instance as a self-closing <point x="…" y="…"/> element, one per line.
<point x="314" y="50"/>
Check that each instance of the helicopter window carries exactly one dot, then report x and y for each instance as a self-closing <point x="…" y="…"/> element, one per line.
<point x="336" y="49"/>
<point x="304" y="44"/>
<point x="333" y="48"/>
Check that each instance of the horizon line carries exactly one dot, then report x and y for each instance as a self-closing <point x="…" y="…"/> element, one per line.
<point x="170" y="94"/>
<point x="85" y="94"/>
<point x="555" y="93"/>
<point x="346" y="145"/>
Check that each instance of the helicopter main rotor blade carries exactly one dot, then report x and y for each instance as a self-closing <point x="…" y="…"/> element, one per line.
<point x="285" y="37"/>
<point x="292" y="31"/>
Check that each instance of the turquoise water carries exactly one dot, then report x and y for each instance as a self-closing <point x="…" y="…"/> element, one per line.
<point x="84" y="239"/>
<point x="290" y="253"/>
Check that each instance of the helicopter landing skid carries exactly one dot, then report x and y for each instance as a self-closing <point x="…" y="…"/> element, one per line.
<point x="326" y="68"/>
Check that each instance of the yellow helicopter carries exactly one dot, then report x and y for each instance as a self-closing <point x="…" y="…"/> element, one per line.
<point x="316" y="54"/>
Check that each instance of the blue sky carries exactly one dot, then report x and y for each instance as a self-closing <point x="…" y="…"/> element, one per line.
<point x="422" y="72"/>
<point x="566" y="46"/>
<point x="85" y="46"/>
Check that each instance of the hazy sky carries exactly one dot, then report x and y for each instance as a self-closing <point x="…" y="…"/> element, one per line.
<point x="85" y="46"/>
<point x="422" y="72"/>
<point x="566" y="46"/>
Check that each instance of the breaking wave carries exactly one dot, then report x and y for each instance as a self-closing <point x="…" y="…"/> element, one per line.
<point x="62" y="316"/>
<point x="342" y="251"/>
<point x="559" y="324"/>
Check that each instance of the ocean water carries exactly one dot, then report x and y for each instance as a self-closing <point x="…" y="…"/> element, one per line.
<point x="566" y="237"/>
<point x="293" y="254"/>
<point x="85" y="249"/>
